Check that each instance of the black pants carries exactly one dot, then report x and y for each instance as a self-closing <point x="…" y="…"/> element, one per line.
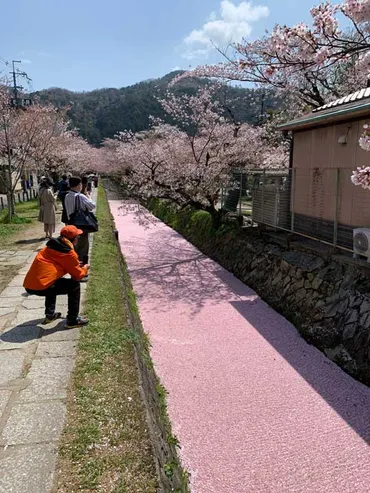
<point x="82" y="248"/>
<point x="69" y="287"/>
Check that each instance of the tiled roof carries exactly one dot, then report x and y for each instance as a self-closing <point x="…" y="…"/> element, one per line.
<point x="356" y="96"/>
<point x="356" y="105"/>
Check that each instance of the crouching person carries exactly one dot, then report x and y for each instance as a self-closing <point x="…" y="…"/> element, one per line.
<point x="45" y="277"/>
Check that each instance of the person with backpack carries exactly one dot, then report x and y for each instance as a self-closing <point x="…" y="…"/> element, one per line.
<point x="73" y="202"/>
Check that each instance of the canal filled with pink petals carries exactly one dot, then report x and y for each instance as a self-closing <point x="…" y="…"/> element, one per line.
<point x="256" y="409"/>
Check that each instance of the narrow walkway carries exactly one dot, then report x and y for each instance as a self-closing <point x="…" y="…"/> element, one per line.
<point x="256" y="409"/>
<point x="35" y="368"/>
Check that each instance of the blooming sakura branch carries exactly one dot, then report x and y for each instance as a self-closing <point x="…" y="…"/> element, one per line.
<point x="365" y="138"/>
<point x="311" y="64"/>
<point x="316" y="62"/>
<point x="361" y="176"/>
<point x="189" y="161"/>
<point x="38" y="137"/>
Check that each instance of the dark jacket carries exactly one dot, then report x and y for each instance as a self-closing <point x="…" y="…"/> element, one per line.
<point x="62" y="196"/>
<point x="62" y="185"/>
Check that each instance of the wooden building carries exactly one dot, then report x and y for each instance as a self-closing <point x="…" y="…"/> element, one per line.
<point x="324" y="202"/>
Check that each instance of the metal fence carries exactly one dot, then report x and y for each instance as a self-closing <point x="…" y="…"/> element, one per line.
<point x="19" y="197"/>
<point x="320" y="203"/>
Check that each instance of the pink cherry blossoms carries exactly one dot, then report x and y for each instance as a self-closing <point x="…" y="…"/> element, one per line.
<point x="311" y="64"/>
<point x="189" y="161"/>
<point x="317" y="62"/>
<point x="38" y="137"/>
<point x="361" y="176"/>
<point x="365" y="138"/>
<point x="358" y="10"/>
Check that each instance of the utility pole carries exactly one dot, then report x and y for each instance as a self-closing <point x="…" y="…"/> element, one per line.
<point x="17" y="103"/>
<point x="16" y="73"/>
<point x="15" y="87"/>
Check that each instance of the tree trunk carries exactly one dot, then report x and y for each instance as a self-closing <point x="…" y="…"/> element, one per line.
<point x="216" y="217"/>
<point x="11" y="210"/>
<point x="10" y="192"/>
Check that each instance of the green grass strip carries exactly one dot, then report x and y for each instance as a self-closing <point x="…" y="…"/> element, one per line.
<point x="106" y="444"/>
<point x="26" y="213"/>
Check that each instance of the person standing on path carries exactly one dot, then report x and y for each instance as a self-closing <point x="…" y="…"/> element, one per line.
<point x="47" y="214"/>
<point x="84" y="186"/>
<point x="63" y="184"/>
<point x="70" y="204"/>
<point x="63" y="187"/>
<point x="45" y="277"/>
<point x="89" y="183"/>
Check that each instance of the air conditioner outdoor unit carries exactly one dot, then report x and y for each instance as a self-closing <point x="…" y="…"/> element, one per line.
<point x="361" y="243"/>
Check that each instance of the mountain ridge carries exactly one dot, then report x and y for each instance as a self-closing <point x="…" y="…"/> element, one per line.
<point x="102" y="113"/>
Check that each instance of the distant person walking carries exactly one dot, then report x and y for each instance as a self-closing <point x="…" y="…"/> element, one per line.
<point x="75" y="200"/>
<point x="47" y="201"/>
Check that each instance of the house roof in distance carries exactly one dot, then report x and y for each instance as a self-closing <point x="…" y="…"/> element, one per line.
<point x="354" y="105"/>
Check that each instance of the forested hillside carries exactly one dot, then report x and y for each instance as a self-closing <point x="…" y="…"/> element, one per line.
<point x="102" y="113"/>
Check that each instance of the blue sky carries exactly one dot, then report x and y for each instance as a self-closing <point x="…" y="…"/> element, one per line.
<point x="82" y="45"/>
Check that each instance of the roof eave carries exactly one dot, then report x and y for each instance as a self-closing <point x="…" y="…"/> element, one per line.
<point x="335" y="116"/>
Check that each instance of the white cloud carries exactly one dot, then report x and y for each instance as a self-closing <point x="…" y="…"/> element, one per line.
<point x="233" y="24"/>
<point x="44" y="54"/>
<point x="192" y="53"/>
<point x="25" y="60"/>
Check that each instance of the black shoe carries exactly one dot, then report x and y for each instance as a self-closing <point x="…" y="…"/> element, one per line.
<point x="77" y="322"/>
<point x="50" y="318"/>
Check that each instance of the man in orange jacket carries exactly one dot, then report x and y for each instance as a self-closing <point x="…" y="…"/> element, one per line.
<point x="46" y="276"/>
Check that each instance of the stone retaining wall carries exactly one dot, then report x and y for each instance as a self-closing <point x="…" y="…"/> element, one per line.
<point x="172" y="477"/>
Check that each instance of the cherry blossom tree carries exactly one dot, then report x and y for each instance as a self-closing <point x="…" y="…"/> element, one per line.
<point x="312" y="63"/>
<point x="29" y="138"/>
<point x="190" y="161"/>
<point x="76" y="155"/>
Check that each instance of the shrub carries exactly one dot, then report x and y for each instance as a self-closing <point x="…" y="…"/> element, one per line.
<point x="195" y="224"/>
<point x="182" y="219"/>
<point x="201" y="226"/>
<point x="164" y="210"/>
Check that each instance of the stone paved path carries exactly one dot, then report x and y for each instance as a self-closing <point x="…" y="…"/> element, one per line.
<point x="35" y="367"/>
<point x="256" y="409"/>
